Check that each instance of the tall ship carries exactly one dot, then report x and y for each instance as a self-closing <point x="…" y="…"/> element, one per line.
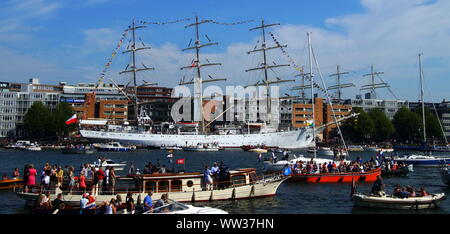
<point x="201" y="131"/>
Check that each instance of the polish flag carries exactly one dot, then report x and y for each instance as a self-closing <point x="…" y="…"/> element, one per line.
<point x="72" y="119"/>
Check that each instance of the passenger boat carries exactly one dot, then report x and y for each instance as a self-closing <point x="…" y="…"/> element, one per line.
<point x="179" y="208"/>
<point x="391" y="202"/>
<point x="203" y="147"/>
<point x="423" y="160"/>
<point x="445" y="176"/>
<point x="181" y="187"/>
<point x="10" y="183"/>
<point x="112" y="146"/>
<point x="344" y="177"/>
<point x="109" y="163"/>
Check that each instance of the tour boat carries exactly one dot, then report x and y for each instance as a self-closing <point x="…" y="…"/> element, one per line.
<point x="423" y="160"/>
<point x="10" y="183"/>
<point x="181" y="187"/>
<point x="390" y="202"/>
<point x="341" y="177"/>
<point x="112" y="146"/>
<point x="203" y="147"/>
<point x="179" y="208"/>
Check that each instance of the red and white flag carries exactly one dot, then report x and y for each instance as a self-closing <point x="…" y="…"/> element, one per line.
<point x="72" y="119"/>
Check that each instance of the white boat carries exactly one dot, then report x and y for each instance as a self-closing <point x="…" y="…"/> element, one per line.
<point x="170" y="148"/>
<point x="258" y="150"/>
<point x="33" y="147"/>
<point x="181" y="187"/>
<point x="390" y="202"/>
<point x="203" y="147"/>
<point x="423" y="160"/>
<point x="296" y="139"/>
<point x="378" y="149"/>
<point x="25" y="145"/>
<point x="112" y="146"/>
<point x="109" y="163"/>
<point x="179" y="208"/>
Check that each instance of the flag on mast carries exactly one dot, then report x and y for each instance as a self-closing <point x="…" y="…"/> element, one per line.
<point x="72" y="119"/>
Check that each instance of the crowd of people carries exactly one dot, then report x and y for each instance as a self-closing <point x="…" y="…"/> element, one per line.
<point x="90" y="178"/>
<point x="312" y="167"/>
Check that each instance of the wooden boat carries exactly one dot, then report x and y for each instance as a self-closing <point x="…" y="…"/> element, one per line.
<point x="10" y="183"/>
<point x="253" y="147"/>
<point x="181" y="187"/>
<point x="344" y="177"/>
<point x="390" y="202"/>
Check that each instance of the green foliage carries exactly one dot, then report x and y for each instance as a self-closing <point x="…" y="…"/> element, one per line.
<point x="433" y="128"/>
<point x="407" y="125"/>
<point x="383" y="129"/>
<point x="41" y="122"/>
<point x="359" y="129"/>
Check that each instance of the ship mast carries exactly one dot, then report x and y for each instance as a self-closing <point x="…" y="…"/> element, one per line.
<point x="264" y="66"/>
<point x="373" y="86"/>
<point x="422" y="100"/>
<point x="340" y="86"/>
<point x="133" y="68"/>
<point x="311" y="75"/>
<point x="198" y="82"/>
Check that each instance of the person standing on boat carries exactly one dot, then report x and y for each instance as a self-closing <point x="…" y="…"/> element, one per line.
<point x="83" y="203"/>
<point x="148" y="202"/>
<point x="31" y="181"/>
<point x="130" y="203"/>
<point x="223" y="175"/>
<point x="259" y="157"/>
<point x="377" y="187"/>
<point x="208" y="179"/>
<point x="215" y="173"/>
<point x="274" y="157"/>
<point x="16" y="173"/>
<point x="112" y="180"/>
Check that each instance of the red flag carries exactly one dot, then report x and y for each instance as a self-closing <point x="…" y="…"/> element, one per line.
<point x="72" y="119"/>
<point x="180" y="161"/>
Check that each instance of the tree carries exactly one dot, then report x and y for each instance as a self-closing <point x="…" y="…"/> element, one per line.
<point x="407" y="125"/>
<point x="359" y="129"/>
<point x="59" y="116"/>
<point x="383" y="129"/>
<point x="37" y="120"/>
<point x="433" y="128"/>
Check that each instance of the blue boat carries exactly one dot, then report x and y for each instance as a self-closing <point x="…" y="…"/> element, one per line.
<point x="423" y="160"/>
<point x="425" y="148"/>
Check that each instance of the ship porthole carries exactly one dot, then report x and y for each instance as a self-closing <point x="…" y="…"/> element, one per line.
<point x="190" y="183"/>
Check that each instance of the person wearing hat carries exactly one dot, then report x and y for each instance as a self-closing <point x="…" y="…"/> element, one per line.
<point x="83" y="202"/>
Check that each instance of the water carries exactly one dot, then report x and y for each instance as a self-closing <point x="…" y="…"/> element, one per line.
<point x="291" y="198"/>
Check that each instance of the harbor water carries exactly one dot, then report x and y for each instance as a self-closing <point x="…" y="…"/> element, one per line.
<point x="291" y="198"/>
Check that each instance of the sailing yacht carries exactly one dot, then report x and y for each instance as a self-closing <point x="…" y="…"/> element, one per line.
<point x="268" y="135"/>
<point x="423" y="160"/>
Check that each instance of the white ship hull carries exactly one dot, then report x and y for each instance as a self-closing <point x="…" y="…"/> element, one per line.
<point x="297" y="139"/>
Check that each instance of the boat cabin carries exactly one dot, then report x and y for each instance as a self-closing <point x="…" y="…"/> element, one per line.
<point x="184" y="182"/>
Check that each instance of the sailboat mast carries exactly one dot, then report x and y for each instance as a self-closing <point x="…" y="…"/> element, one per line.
<point x="133" y="47"/>
<point x="312" y="90"/>
<point x="422" y="100"/>
<point x="266" y="75"/>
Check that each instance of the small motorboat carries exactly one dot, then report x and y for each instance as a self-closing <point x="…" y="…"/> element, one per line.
<point x="170" y="148"/>
<point x="78" y="150"/>
<point x="10" y="183"/>
<point x="391" y="202"/>
<point x="258" y="150"/>
<point x="253" y="147"/>
<point x="109" y="163"/>
<point x="113" y="146"/>
<point x="179" y="208"/>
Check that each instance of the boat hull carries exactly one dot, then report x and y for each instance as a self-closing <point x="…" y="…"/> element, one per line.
<point x="425" y="162"/>
<point x="264" y="188"/>
<point x="301" y="138"/>
<point x="12" y="183"/>
<point x="417" y="203"/>
<point x="336" y="177"/>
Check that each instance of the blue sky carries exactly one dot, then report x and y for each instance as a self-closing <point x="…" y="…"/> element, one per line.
<point x="71" y="40"/>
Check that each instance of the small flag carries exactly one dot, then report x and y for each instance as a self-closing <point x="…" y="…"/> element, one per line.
<point x="72" y="119"/>
<point x="310" y="123"/>
<point x="180" y="161"/>
<point x="287" y="171"/>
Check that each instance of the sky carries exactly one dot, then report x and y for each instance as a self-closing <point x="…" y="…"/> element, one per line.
<point x="71" y="41"/>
